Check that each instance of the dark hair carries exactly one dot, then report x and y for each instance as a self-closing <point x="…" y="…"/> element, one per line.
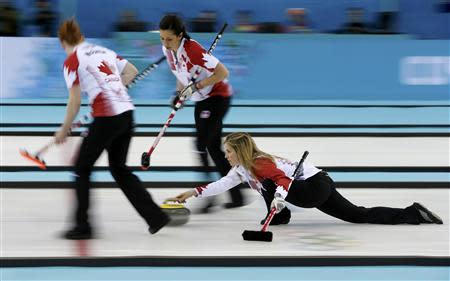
<point x="70" y="32"/>
<point x="174" y="23"/>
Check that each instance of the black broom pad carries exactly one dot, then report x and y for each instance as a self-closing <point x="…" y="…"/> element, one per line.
<point x="250" y="235"/>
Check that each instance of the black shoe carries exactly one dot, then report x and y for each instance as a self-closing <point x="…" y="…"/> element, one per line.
<point x="282" y="217"/>
<point x="231" y="205"/>
<point x="158" y="222"/>
<point x="427" y="215"/>
<point x="78" y="233"/>
<point x="208" y="207"/>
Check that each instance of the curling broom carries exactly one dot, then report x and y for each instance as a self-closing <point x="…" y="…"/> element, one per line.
<point x="263" y="235"/>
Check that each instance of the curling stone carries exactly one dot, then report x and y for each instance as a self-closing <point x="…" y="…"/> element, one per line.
<point x="178" y="213"/>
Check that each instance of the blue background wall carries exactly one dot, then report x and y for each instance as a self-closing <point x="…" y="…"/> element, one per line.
<point x="326" y="15"/>
<point x="97" y="18"/>
<point x="357" y="68"/>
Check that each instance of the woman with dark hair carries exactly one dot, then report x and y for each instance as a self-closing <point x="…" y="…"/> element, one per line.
<point x="269" y="174"/>
<point x="211" y="92"/>
<point x="103" y="75"/>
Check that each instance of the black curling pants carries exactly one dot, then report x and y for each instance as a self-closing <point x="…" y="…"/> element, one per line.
<point x="320" y="192"/>
<point x="209" y="115"/>
<point x="113" y="134"/>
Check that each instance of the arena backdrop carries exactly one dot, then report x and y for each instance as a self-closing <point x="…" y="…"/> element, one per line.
<point x="393" y="68"/>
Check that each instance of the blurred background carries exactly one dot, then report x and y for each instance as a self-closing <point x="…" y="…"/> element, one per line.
<point x="421" y="19"/>
<point x="357" y="49"/>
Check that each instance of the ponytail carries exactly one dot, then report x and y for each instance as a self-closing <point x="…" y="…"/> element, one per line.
<point x="69" y="31"/>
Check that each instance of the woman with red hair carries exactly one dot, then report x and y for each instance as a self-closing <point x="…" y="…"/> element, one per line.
<point x="103" y="75"/>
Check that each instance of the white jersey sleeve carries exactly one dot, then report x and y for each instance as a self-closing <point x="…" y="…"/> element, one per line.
<point x="121" y="63"/>
<point x="225" y="183"/>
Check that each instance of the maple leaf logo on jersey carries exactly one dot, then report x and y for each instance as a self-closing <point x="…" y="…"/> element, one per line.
<point x="70" y="76"/>
<point x="209" y="61"/>
<point x="105" y="68"/>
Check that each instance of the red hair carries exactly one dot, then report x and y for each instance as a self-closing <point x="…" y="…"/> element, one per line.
<point x="69" y="31"/>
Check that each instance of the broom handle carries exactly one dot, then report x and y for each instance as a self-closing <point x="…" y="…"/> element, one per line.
<point x="269" y="219"/>
<point x="45" y="148"/>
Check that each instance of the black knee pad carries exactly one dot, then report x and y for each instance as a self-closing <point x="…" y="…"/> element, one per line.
<point x="269" y="185"/>
<point x="282" y="217"/>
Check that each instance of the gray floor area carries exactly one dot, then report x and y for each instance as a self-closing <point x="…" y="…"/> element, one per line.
<point x="324" y="151"/>
<point x="31" y="221"/>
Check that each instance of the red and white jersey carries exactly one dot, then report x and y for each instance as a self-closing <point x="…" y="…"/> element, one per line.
<point x="97" y="70"/>
<point x="281" y="173"/>
<point x="191" y="57"/>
